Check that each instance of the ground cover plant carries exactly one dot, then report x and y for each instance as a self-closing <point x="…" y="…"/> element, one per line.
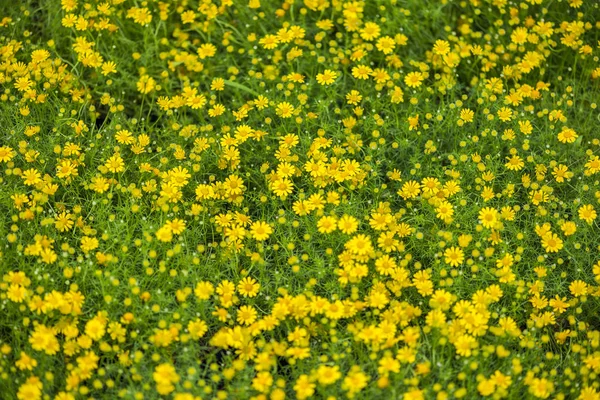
<point x="380" y="199"/>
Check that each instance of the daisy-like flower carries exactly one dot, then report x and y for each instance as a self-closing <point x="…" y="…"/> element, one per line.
<point x="587" y="213"/>
<point x="327" y="77"/>
<point x="248" y="287"/>
<point x="414" y="79"/>
<point x="488" y="217"/>
<point x="567" y="135"/>
<point x="551" y="243"/>
<point x="454" y="256"/>
<point x="261" y="230"/>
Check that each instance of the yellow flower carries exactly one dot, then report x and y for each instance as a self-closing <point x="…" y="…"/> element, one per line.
<point x="196" y="101"/>
<point x="355" y="381"/>
<point x="360" y="244"/>
<point x="515" y="163"/>
<point x="140" y="15"/>
<point x="216" y="110"/>
<point x="66" y="169"/>
<point x="505" y="114"/>
<point x="551" y="243"/>
<point x="263" y="381"/>
<point x="327" y="375"/>
<point x="587" y="213"/>
<point x="441" y="47"/>
<point x="6" y="154"/>
<point x="347" y="224"/>
<point x="413" y="122"/>
<point x="370" y="31"/>
<point x="108" y="67"/>
<point x="541" y="388"/>
<point x="327" y="77"/>
<point x="414" y="79"/>
<point x="248" y="287"/>
<point x="444" y="211"/>
<point x="327" y="224"/>
<point x="578" y="288"/>
<point x="284" y="109"/>
<point x="246" y="315"/>
<point x="592" y="166"/>
<point x="204" y="290"/>
<point x="164" y="234"/>
<point x="486" y="387"/>
<point x="146" y="84"/>
<point x="386" y="44"/>
<point x="31" y="177"/>
<point x="16" y="293"/>
<point x="88" y="243"/>
<point x="454" y="256"/>
<point x="361" y="72"/>
<point x="464" y="345"/>
<point x="414" y="394"/>
<point x="25" y="362"/>
<point x="353" y="97"/>
<point x="467" y="115"/>
<point x="269" y="41"/>
<point x="282" y="187"/>
<point x="177" y="226"/>
<point x="567" y="135"/>
<point x="197" y="328"/>
<point x="410" y="190"/>
<point x="561" y="172"/>
<point x="568" y="228"/>
<point x="23" y="84"/>
<point x="31" y="389"/>
<point x="44" y="339"/>
<point x="115" y="164"/>
<point x="207" y="50"/>
<point x="234" y="185"/>
<point x="217" y="84"/>
<point x="165" y="375"/>
<point x="303" y="387"/>
<point x="95" y="328"/>
<point x="488" y="217"/>
<point x="261" y="230"/>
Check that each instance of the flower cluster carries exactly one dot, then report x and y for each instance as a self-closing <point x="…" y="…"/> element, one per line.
<point x="299" y="199"/>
